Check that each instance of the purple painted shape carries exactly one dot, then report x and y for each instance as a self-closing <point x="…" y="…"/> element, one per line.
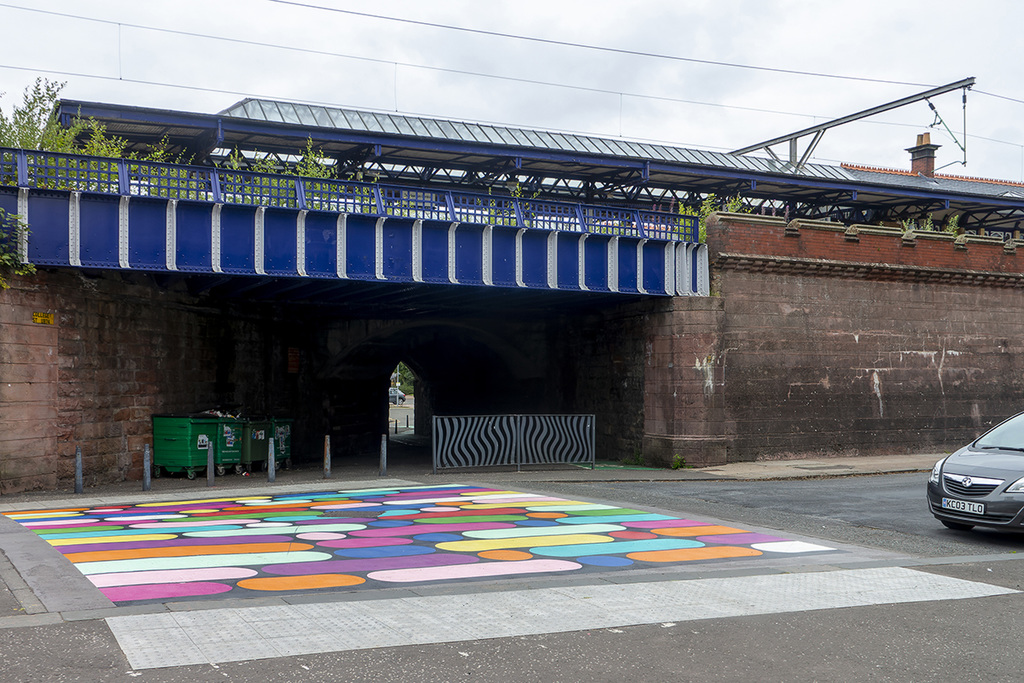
<point x="662" y="524"/>
<point x="364" y="542"/>
<point x="434" y="528"/>
<point x="136" y="545"/>
<point x="370" y="564"/>
<point x="740" y="539"/>
<point x="434" y="493"/>
<point x="160" y="591"/>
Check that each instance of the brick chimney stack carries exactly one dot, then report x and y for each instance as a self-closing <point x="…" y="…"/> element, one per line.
<point x="922" y="156"/>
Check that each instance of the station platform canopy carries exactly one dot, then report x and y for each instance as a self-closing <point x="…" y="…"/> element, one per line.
<point x="553" y="165"/>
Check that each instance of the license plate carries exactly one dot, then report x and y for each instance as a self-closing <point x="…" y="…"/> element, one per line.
<point x="963" y="506"/>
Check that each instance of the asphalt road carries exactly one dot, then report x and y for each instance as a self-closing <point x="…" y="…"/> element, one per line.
<point x="962" y="640"/>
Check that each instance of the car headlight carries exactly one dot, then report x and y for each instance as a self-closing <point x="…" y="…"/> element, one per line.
<point x="937" y="471"/>
<point x="1016" y="487"/>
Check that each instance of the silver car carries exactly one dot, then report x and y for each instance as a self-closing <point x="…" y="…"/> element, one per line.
<point x="982" y="484"/>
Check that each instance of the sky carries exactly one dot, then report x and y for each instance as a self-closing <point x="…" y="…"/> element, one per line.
<point x="705" y="74"/>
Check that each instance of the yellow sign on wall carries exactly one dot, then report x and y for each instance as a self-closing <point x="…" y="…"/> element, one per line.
<point x="43" y="318"/>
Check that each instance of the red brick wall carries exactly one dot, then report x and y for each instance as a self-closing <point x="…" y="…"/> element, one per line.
<point x="841" y="344"/>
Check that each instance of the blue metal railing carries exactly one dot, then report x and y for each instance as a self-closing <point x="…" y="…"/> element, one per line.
<point x="134" y="178"/>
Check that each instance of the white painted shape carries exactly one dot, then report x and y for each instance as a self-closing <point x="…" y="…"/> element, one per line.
<point x="582" y="262"/>
<point x="451" y="254"/>
<point x="122" y="232"/>
<point x="171" y="237"/>
<point x="378" y="252"/>
<point x="341" y="246"/>
<point x="300" y="243"/>
<point x="519" y="257"/>
<point x="553" y="260"/>
<point x="258" y="246"/>
<point x="488" y="255"/>
<point x="640" y="267"/>
<point x="417" y="251"/>
<point x="74" y="229"/>
<point x="23" y="235"/>
<point x="613" y="264"/>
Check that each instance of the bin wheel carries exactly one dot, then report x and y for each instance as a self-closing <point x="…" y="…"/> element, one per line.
<point x="190" y="473"/>
<point x="264" y="466"/>
<point x="157" y="471"/>
<point x="220" y="470"/>
<point x="287" y="463"/>
<point x="239" y="469"/>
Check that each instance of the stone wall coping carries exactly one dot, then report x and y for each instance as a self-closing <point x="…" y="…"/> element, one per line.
<point x="800" y="223"/>
<point x="746" y="218"/>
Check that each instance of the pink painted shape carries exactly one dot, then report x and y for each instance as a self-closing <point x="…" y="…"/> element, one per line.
<point x="364" y="542"/>
<point x="415" y="529"/>
<point x="663" y="524"/>
<point x="473" y="571"/>
<point x="89" y="521"/>
<point x="320" y="536"/>
<point x="170" y="576"/>
<point x="369" y="564"/>
<point x="164" y="590"/>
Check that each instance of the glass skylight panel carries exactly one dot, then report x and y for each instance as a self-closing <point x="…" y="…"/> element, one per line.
<point x="460" y="131"/>
<point x="404" y="125"/>
<point x="288" y="114"/>
<point x="369" y="122"/>
<point x="418" y="126"/>
<point x="387" y="123"/>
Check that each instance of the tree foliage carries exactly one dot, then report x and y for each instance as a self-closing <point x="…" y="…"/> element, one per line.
<point x="13" y="233"/>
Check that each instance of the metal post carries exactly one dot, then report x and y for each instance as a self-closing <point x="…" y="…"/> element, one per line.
<point x="147" y="467"/>
<point x="396" y="425"/>
<point x="407" y="420"/>
<point x="327" y="456"/>
<point x="209" y="463"/>
<point x="384" y="455"/>
<point x="271" y="463"/>
<point x="78" y="469"/>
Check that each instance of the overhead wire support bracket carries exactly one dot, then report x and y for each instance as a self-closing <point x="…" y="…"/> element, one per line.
<point x="798" y="161"/>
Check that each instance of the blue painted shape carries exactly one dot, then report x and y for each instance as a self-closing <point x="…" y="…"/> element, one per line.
<point x="537" y="522"/>
<point x="321" y="244"/>
<point x="469" y="244"/>
<point x="238" y="239"/>
<point x="654" y="267"/>
<point x="615" y="519"/>
<point x="385" y="551"/>
<point x="535" y="258"/>
<point x="392" y="513"/>
<point x="398" y="249"/>
<point x="615" y="547"/>
<point x="694" y="261"/>
<point x="627" y="265"/>
<point x="568" y="260"/>
<point x="9" y="200"/>
<point x="503" y="257"/>
<point x="292" y="518"/>
<point x="193" y="237"/>
<point x="391" y="522"/>
<point x="438" y="538"/>
<point x="595" y="252"/>
<point x="605" y="561"/>
<point x="435" y="251"/>
<point x="361" y="247"/>
<point x="147" y="234"/>
<point x="48" y="219"/>
<point x="280" y="250"/>
<point x="99" y="215"/>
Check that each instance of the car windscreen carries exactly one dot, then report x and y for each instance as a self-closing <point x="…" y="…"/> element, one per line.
<point x="1008" y="435"/>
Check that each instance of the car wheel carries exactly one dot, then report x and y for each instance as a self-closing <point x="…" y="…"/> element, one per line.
<point x="956" y="526"/>
<point x="402" y="401"/>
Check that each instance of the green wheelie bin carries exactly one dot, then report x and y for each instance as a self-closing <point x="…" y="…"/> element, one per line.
<point x="180" y="443"/>
<point x="228" y="453"/>
<point x="256" y="435"/>
<point x="283" y="442"/>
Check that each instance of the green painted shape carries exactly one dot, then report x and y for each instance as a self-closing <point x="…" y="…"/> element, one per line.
<point x="63" y="530"/>
<point x="611" y="511"/>
<point x="466" y="519"/>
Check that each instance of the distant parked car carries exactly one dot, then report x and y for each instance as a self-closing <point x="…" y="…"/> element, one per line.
<point x="396" y="396"/>
<point x="982" y="484"/>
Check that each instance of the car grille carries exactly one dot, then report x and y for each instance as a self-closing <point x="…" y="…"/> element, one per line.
<point x="960" y="485"/>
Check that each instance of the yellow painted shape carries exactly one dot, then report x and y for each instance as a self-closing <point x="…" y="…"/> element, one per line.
<point x="523" y="542"/>
<point x="691" y="554"/>
<point x="185" y="551"/>
<point x="518" y="504"/>
<point x="111" y="539"/>
<point x="305" y="582"/>
<point x="505" y="555"/>
<point x="691" y="531"/>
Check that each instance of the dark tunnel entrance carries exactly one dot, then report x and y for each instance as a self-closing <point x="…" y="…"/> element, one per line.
<point x="460" y="369"/>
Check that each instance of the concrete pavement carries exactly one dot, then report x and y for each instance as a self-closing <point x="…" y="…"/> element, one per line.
<point x="40" y="588"/>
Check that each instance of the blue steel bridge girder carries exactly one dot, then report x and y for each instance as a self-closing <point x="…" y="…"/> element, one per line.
<point x="111" y="214"/>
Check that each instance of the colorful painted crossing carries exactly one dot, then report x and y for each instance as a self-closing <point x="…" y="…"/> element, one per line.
<point x="372" y="538"/>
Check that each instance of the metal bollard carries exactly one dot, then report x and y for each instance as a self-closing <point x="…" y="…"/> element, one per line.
<point x="78" y="469"/>
<point x="271" y="463"/>
<point x="384" y="455"/>
<point x="327" y="456"/>
<point x="147" y="466"/>
<point x="209" y="463"/>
